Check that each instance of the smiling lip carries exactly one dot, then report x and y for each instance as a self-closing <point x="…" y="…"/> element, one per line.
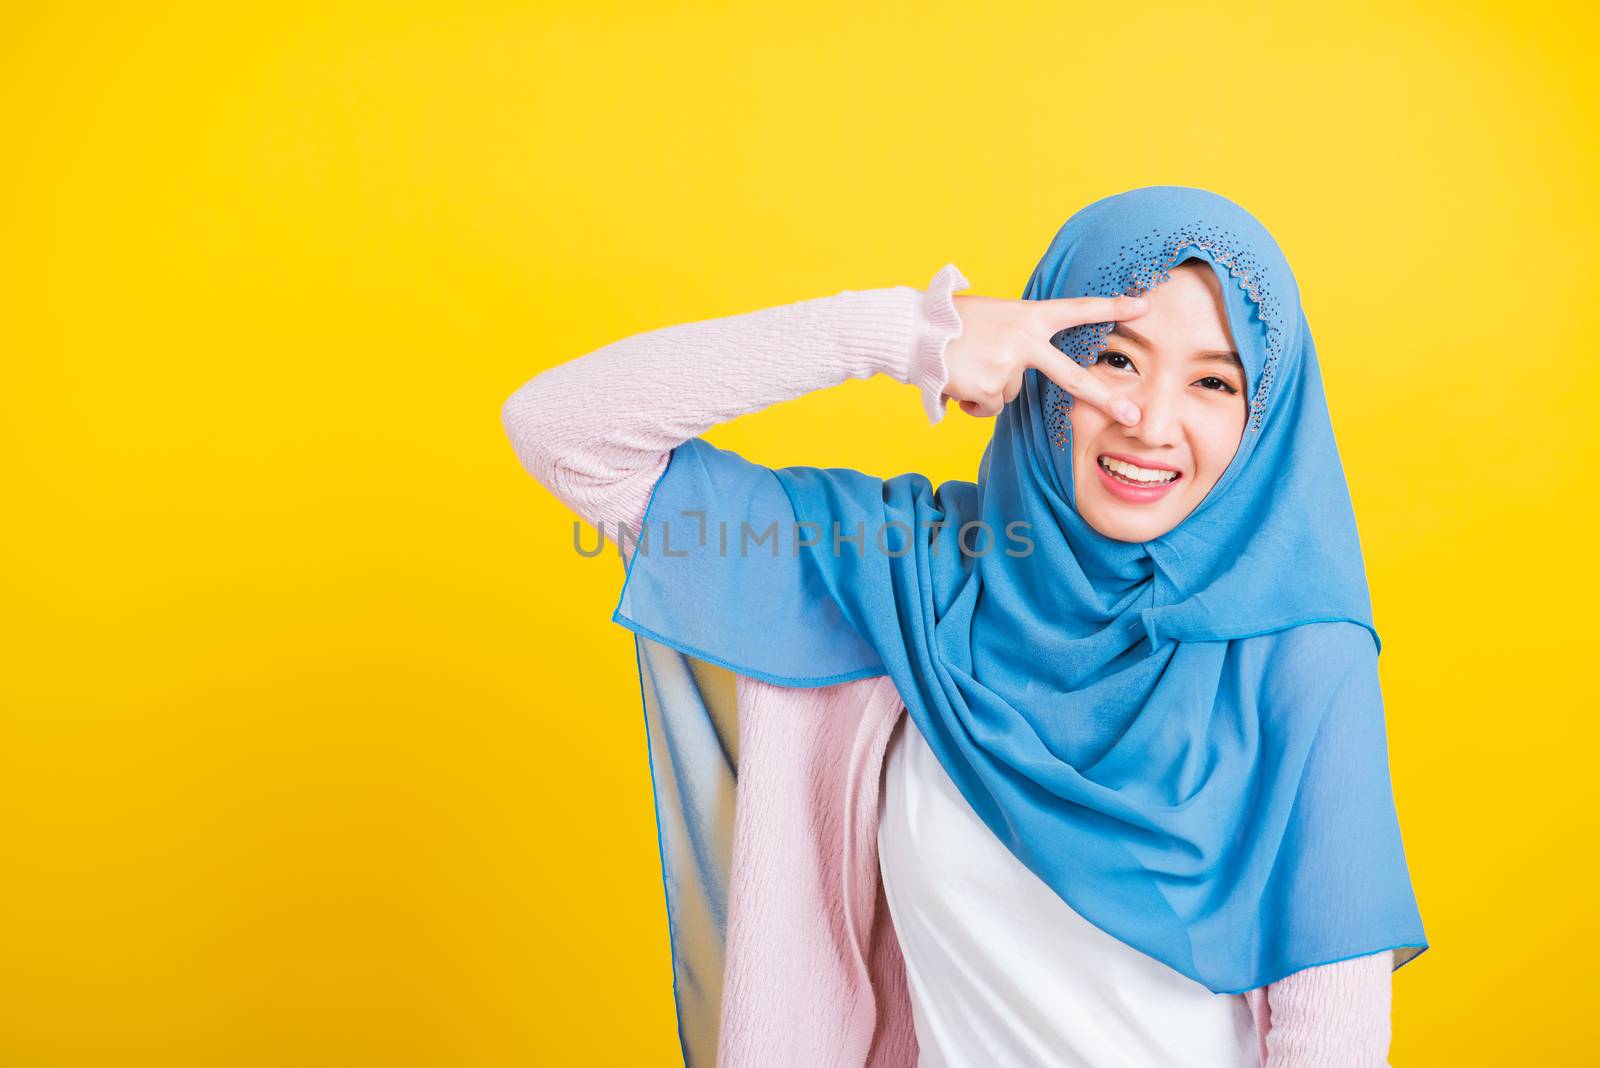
<point x="1130" y="493"/>
<point x="1135" y="461"/>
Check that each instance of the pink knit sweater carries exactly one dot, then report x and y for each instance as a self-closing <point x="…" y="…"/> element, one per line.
<point x="813" y="973"/>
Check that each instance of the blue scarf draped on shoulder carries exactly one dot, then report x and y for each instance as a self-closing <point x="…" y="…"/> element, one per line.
<point x="1183" y="737"/>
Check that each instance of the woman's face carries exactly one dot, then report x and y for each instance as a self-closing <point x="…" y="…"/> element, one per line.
<point x="1177" y="363"/>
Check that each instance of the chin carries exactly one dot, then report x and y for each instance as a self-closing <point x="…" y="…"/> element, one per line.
<point x="1126" y="531"/>
<point x="1110" y="519"/>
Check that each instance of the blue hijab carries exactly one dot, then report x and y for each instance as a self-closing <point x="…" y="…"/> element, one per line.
<point x="1183" y="737"/>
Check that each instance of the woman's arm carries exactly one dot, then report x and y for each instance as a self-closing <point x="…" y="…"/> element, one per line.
<point x="598" y="430"/>
<point x="1329" y="1016"/>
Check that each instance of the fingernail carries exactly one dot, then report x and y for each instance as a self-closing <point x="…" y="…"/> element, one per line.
<point x="1127" y="412"/>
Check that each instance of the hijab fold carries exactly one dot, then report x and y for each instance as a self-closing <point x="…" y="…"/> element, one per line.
<point x="1183" y="737"/>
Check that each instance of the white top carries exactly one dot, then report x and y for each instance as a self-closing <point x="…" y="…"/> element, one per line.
<point x="1003" y="972"/>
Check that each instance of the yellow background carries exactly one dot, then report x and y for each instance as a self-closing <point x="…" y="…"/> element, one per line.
<point x="319" y="747"/>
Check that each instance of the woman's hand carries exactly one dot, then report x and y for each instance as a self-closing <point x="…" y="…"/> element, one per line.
<point x="1000" y="339"/>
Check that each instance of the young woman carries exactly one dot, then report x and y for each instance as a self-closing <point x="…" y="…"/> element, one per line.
<point x="1139" y="809"/>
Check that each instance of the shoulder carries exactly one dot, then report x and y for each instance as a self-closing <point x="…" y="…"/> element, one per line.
<point x="1316" y="646"/>
<point x="1308" y="669"/>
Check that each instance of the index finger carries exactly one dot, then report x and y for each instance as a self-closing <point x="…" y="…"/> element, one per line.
<point x="1076" y="380"/>
<point x="1060" y="312"/>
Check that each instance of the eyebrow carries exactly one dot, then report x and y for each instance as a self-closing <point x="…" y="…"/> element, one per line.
<point x="1229" y="356"/>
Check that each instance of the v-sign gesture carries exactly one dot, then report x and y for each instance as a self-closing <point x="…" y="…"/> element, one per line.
<point x="1000" y="339"/>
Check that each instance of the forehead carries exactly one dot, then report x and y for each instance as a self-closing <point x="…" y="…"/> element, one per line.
<point x="1188" y="310"/>
<point x="1191" y="290"/>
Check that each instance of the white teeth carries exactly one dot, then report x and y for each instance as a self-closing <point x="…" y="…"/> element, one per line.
<point x="1137" y="474"/>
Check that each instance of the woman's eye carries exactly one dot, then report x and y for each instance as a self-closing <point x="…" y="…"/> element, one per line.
<point x="1219" y="382"/>
<point x="1112" y="358"/>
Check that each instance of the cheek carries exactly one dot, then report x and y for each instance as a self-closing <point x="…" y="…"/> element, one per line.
<point x="1215" y="441"/>
<point x="1087" y="424"/>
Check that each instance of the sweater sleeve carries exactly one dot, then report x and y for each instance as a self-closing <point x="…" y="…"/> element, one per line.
<point x="597" y="431"/>
<point x="1328" y="1016"/>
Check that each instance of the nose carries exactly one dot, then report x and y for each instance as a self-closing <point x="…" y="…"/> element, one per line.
<point x="1158" y="416"/>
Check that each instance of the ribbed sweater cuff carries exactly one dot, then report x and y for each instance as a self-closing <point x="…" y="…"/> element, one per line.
<point x="903" y="332"/>
<point x="941" y="324"/>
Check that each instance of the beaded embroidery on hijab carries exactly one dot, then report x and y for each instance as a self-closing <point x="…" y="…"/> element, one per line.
<point x="1183" y="737"/>
<point x="1137" y="270"/>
